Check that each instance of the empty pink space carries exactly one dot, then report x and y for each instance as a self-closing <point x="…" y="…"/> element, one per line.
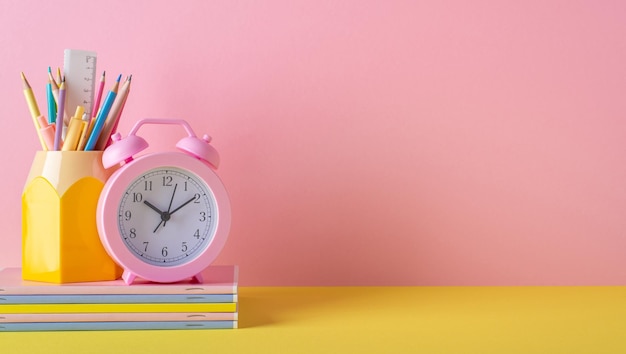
<point x="365" y="142"/>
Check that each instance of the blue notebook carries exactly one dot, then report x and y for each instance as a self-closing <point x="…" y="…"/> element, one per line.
<point x="113" y="326"/>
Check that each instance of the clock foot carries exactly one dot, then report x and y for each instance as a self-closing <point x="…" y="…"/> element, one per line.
<point x="128" y="277"/>
<point x="197" y="278"/>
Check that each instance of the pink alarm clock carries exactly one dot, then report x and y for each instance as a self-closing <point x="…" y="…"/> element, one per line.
<point x="163" y="216"/>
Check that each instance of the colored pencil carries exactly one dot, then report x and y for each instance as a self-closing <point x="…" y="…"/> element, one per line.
<point x="59" y="77"/>
<point x="55" y="94"/>
<point x="30" y="98"/>
<point x="114" y="115"/>
<point x="59" y="121"/>
<point x="96" y="106"/>
<point x="33" y="108"/>
<point x="52" y="105"/>
<point x="102" y="115"/>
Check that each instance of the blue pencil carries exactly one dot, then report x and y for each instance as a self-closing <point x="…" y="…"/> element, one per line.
<point x="52" y="105"/>
<point x="102" y="115"/>
<point x="58" y="134"/>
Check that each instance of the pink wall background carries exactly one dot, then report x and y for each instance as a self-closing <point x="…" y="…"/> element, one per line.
<point x="362" y="142"/>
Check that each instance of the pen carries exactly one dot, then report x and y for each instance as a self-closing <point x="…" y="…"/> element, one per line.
<point x="59" y="121"/>
<point x="102" y="115"/>
<point x="33" y="108"/>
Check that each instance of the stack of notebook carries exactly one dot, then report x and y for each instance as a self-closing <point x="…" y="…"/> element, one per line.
<point x="113" y="305"/>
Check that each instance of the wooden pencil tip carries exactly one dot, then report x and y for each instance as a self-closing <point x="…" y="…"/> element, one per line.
<point x="119" y="78"/>
<point x="23" y="76"/>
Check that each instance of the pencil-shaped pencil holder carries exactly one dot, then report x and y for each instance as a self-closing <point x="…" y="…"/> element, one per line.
<point x="60" y="242"/>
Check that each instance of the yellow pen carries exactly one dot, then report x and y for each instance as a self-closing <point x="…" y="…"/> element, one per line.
<point x="33" y="108"/>
<point x="85" y="131"/>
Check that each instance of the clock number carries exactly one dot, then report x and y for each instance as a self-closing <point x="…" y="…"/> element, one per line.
<point x="145" y="249"/>
<point x="133" y="232"/>
<point x="184" y="248"/>
<point x="164" y="251"/>
<point x="202" y="216"/>
<point x="197" y="234"/>
<point x="127" y="215"/>
<point x="185" y="186"/>
<point x="167" y="181"/>
<point x="197" y="198"/>
<point x="137" y="197"/>
<point x="147" y="185"/>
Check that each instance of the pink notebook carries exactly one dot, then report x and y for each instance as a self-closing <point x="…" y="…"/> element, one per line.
<point x="219" y="279"/>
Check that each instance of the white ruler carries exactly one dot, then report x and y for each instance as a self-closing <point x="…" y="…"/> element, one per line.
<point x="79" y="68"/>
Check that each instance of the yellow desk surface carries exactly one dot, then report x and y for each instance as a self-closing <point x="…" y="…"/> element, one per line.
<point x="380" y="320"/>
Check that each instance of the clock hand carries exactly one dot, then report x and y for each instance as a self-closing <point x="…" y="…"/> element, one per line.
<point x="156" y="228"/>
<point x="164" y="214"/>
<point x="169" y="207"/>
<point x="182" y="205"/>
<point x="153" y="207"/>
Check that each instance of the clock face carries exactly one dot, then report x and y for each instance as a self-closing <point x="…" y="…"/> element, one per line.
<point x="167" y="216"/>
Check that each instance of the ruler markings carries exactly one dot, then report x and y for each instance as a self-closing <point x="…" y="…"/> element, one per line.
<point x="79" y="68"/>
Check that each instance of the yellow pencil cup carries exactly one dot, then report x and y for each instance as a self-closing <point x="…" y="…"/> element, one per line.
<point x="60" y="242"/>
